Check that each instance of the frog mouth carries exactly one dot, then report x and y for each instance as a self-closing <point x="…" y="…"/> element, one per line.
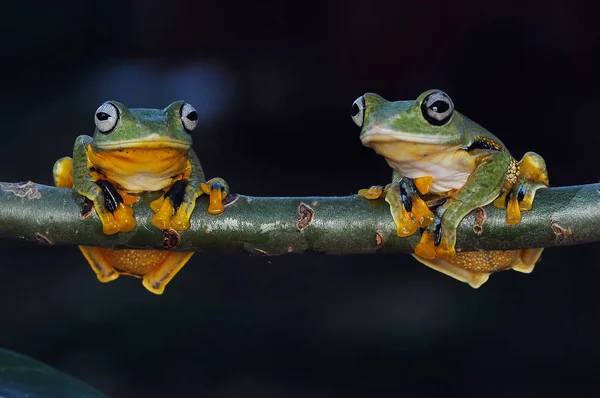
<point x="149" y="143"/>
<point x="387" y="135"/>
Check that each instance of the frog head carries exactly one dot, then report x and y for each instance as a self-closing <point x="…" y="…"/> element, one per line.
<point x="430" y="119"/>
<point x="118" y="127"/>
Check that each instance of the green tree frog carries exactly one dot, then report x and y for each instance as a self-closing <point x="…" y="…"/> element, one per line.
<point x="442" y="157"/>
<point x="134" y="151"/>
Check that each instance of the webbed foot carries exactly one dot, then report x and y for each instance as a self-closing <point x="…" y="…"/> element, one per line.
<point x="174" y="209"/>
<point x="113" y="213"/>
<point x="532" y="176"/>
<point x="408" y="210"/>
<point x="434" y="243"/>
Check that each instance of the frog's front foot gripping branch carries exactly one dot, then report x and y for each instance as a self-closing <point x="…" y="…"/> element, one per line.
<point x="175" y="207"/>
<point x="113" y="207"/>
<point x="409" y="210"/>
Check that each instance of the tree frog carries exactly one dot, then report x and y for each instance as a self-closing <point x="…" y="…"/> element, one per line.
<point x="441" y="156"/>
<point x="134" y="151"/>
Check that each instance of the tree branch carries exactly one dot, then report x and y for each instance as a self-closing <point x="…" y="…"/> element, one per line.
<point x="348" y="224"/>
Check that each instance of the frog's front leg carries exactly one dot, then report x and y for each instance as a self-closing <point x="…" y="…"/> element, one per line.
<point x="483" y="186"/>
<point x="408" y="210"/>
<point x="174" y="209"/>
<point x="532" y="175"/>
<point x="63" y="178"/>
<point x="108" y="203"/>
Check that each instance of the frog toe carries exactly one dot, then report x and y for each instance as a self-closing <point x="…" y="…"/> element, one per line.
<point x="527" y="260"/>
<point x="374" y="192"/>
<point x="405" y="223"/>
<point x="426" y="246"/>
<point x="218" y="190"/>
<point x="513" y="212"/>
<point x="423" y="184"/>
<point x="124" y="217"/>
<point x="155" y="205"/>
<point x="180" y="223"/>
<point x="162" y="218"/>
<point x="527" y="194"/>
<point x="422" y="215"/>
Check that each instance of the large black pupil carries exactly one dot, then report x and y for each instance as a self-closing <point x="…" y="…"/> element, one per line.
<point x="355" y="109"/>
<point x="193" y="116"/>
<point x="439" y="106"/>
<point x="102" y="116"/>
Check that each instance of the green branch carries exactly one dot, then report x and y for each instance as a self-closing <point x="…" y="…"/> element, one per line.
<point x="348" y="224"/>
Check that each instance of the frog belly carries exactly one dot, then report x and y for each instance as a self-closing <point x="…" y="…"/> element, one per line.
<point x="447" y="174"/>
<point x="140" y="170"/>
<point x="142" y="182"/>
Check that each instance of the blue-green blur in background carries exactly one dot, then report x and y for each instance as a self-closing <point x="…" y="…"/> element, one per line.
<point x="273" y="83"/>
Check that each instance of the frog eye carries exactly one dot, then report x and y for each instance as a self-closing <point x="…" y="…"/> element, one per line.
<point x="189" y="117"/>
<point x="437" y="108"/>
<point x="106" y="118"/>
<point x="358" y="110"/>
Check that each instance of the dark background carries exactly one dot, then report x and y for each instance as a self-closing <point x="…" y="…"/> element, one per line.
<point x="273" y="83"/>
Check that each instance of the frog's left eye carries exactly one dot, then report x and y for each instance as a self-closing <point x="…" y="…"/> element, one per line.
<point x="106" y="117"/>
<point x="437" y="108"/>
<point x="189" y="117"/>
<point x="358" y="111"/>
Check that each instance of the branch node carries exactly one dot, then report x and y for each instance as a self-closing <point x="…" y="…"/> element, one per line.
<point x="561" y="233"/>
<point x="306" y="215"/>
<point x="379" y="238"/>
<point x="480" y="217"/>
<point x="171" y="239"/>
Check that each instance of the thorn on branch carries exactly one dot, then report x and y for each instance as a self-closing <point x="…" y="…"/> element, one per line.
<point x="42" y="239"/>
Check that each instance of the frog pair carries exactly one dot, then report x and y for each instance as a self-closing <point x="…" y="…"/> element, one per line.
<point x="440" y="159"/>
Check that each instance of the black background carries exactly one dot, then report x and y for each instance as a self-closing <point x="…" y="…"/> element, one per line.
<point x="273" y="83"/>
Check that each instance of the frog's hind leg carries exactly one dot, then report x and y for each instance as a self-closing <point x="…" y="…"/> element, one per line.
<point x="103" y="269"/>
<point x="475" y="267"/>
<point x="155" y="281"/>
<point x="445" y="266"/>
<point x="156" y="267"/>
<point x="531" y="177"/>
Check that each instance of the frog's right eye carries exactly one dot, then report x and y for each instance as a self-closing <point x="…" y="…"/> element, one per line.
<point x="437" y="108"/>
<point x="358" y="111"/>
<point x="106" y="118"/>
